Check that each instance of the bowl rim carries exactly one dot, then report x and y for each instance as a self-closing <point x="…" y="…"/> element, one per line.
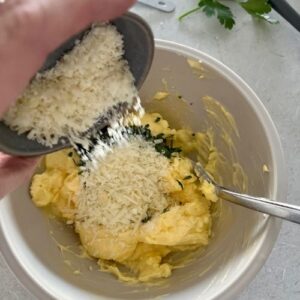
<point x="279" y="191"/>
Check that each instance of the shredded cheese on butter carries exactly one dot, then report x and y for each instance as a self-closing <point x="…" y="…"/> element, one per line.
<point x="126" y="188"/>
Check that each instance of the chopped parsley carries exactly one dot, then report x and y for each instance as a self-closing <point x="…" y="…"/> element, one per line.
<point x="162" y="143"/>
<point x="166" y="210"/>
<point x="157" y="119"/>
<point x="188" y="177"/>
<point x="159" y="136"/>
<point x="180" y="183"/>
<point x="79" y="163"/>
<point x="147" y="218"/>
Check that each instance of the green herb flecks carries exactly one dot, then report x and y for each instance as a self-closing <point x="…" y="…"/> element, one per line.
<point x="162" y="143"/>
<point x="159" y="136"/>
<point x="78" y="162"/>
<point x="146" y="219"/>
<point x="188" y="177"/>
<point x="166" y="210"/>
<point x="180" y="183"/>
<point x="157" y="119"/>
<point x="166" y="150"/>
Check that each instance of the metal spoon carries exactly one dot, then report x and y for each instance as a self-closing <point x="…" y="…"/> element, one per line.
<point x="162" y="5"/>
<point x="277" y="209"/>
<point x="139" y="51"/>
<point x="287" y="12"/>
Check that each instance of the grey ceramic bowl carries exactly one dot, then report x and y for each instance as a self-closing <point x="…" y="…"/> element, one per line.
<point x="242" y="238"/>
<point x="139" y="51"/>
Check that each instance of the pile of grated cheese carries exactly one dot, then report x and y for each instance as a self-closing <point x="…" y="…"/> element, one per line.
<point x="126" y="187"/>
<point x="68" y="99"/>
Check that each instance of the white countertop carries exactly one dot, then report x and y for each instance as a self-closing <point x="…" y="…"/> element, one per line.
<point x="268" y="58"/>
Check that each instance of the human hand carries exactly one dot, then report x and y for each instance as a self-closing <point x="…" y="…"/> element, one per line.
<point x="29" y="30"/>
<point x="13" y="171"/>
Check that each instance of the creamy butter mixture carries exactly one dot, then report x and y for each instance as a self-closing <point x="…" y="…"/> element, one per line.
<point x="140" y="253"/>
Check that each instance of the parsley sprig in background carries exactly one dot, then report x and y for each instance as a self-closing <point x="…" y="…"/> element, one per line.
<point x="256" y="8"/>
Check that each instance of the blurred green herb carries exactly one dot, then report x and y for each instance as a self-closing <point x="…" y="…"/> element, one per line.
<point x="256" y="8"/>
<point x="259" y="9"/>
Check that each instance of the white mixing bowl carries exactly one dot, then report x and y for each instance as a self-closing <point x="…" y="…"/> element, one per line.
<point x="242" y="241"/>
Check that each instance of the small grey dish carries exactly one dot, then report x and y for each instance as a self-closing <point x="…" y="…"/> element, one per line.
<point x="139" y="51"/>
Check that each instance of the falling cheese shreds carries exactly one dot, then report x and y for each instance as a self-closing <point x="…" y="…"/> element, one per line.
<point x="126" y="188"/>
<point x="69" y="98"/>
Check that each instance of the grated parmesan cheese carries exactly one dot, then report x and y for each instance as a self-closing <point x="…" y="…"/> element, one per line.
<point x="125" y="188"/>
<point x="68" y="99"/>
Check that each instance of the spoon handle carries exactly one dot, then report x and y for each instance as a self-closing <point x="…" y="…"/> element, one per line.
<point x="287" y="12"/>
<point x="162" y="5"/>
<point x="277" y="209"/>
